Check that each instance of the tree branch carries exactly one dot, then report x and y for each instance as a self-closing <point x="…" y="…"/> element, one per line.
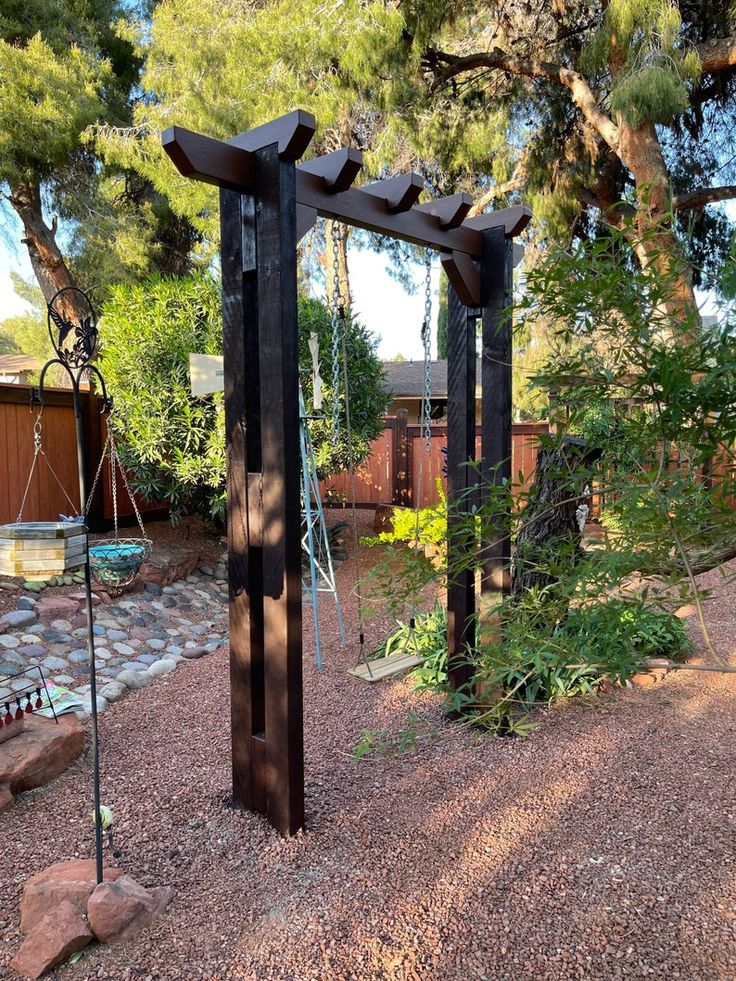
<point x="514" y="183"/>
<point x="580" y="90"/>
<point x="703" y="196"/>
<point x="717" y="55"/>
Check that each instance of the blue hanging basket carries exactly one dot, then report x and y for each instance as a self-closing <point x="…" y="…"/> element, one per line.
<point x="115" y="563"/>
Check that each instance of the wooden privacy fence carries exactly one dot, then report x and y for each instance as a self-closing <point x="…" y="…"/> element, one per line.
<point x="391" y="474"/>
<point x="46" y="499"/>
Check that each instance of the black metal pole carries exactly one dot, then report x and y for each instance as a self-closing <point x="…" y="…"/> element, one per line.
<point x="90" y="632"/>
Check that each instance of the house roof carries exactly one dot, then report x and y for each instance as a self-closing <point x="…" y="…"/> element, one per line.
<point x="405" y="379"/>
<point x="10" y="364"/>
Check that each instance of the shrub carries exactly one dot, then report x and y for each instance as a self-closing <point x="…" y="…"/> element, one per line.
<point x="173" y="445"/>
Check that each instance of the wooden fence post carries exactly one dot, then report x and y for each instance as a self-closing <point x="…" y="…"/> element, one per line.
<point x="402" y="477"/>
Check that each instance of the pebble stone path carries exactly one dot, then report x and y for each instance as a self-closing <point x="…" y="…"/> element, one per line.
<point x="138" y="637"/>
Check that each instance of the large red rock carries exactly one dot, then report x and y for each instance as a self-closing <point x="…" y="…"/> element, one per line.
<point x="51" y="608"/>
<point x="72" y="882"/>
<point x="6" y="797"/>
<point x="41" y="752"/>
<point x="62" y="932"/>
<point x="169" y="563"/>
<point x="117" y="910"/>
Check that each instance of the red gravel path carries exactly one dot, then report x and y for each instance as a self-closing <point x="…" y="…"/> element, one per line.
<point x="599" y="847"/>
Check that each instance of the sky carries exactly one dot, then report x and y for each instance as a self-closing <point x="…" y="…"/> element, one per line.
<point x="392" y="315"/>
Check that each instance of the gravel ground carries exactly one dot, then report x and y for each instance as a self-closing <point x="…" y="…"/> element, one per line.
<point x="601" y="846"/>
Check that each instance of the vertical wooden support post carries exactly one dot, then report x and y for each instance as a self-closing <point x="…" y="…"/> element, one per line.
<point x="461" y="481"/>
<point x="260" y="339"/>
<point x="402" y="480"/>
<point x="496" y="273"/>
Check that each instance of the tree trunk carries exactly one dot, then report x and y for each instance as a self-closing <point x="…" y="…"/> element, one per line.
<point x="658" y="249"/>
<point x="343" y="276"/>
<point x="549" y="527"/>
<point x="49" y="267"/>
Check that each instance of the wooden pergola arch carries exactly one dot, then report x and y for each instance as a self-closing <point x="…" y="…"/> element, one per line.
<point x="268" y="203"/>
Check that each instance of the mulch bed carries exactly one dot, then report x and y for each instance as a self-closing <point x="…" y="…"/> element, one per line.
<point x="601" y="846"/>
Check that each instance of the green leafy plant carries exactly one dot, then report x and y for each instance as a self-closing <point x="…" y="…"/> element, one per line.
<point x="383" y="744"/>
<point x="648" y="395"/>
<point x="173" y="445"/>
<point x="426" y="638"/>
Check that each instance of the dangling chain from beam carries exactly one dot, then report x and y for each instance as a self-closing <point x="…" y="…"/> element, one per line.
<point x="426" y="340"/>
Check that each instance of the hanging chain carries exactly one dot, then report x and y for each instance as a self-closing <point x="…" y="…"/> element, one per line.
<point x="110" y="450"/>
<point x="38" y="450"/>
<point x="426" y="340"/>
<point x="336" y="316"/>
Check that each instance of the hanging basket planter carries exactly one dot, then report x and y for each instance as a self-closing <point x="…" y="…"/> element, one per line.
<point x="115" y="563"/>
<point x="39" y="550"/>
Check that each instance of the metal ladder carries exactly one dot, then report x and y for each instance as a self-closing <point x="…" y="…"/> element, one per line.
<point x="320" y="575"/>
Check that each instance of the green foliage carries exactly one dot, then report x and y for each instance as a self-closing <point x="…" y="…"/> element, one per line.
<point x="425" y="526"/>
<point x="46" y="103"/>
<point x="442" y="318"/>
<point x="174" y="444"/>
<point x="27" y="333"/>
<point x="427" y="638"/>
<point x="381" y="743"/>
<point x="368" y="399"/>
<point x="652" y="396"/>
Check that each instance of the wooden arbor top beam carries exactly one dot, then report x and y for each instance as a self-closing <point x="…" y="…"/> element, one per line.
<point x="293" y="133"/>
<point x="324" y="185"/>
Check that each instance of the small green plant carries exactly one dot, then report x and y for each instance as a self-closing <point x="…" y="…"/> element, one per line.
<point x="381" y="743"/>
<point x="428" y="526"/>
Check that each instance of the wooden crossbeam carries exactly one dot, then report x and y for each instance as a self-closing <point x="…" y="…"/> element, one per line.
<point x="514" y="220"/>
<point x="208" y="160"/>
<point x="338" y="169"/>
<point x="400" y="192"/>
<point x="449" y="211"/>
<point x="463" y="275"/>
<point x="323" y="185"/>
<point x="293" y="133"/>
<point x="363" y="210"/>
<point x="305" y="220"/>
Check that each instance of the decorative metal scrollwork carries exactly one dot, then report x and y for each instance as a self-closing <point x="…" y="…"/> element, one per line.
<point x="72" y="327"/>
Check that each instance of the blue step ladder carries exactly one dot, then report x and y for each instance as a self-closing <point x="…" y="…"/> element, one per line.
<point x="319" y="576"/>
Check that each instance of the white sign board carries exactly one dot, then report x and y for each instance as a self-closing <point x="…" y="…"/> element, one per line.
<point x="206" y="373"/>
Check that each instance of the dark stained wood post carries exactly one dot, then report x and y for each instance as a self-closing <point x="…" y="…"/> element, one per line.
<point x="461" y="480"/>
<point x="265" y="198"/>
<point x="496" y="275"/>
<point x="278" y="338"/>
<point x="262" y="425"/>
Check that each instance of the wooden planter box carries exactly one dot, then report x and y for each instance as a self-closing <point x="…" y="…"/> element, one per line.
<point x="42" y="549"/>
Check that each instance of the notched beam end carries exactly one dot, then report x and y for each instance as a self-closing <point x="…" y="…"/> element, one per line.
<point x="450" y="211"/>
<point x="211" y="161"/>
<point x="512" y="220"/>
<point x="306" y="218"/>
<point x="463" y="275"/>
<point x="293" y="133"/>
<point x="400" y="193"/>
<point x="338" y="169"/>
